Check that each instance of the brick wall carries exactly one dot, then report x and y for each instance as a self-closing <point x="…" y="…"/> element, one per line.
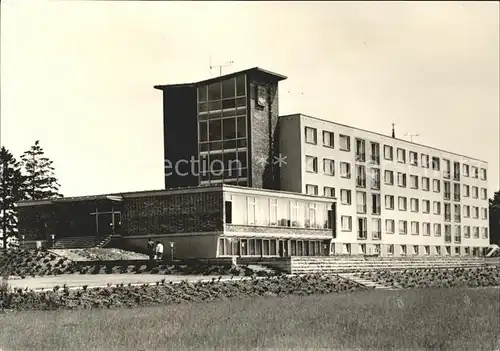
<point x="264" y="138"/>
<point x="179" y="213"/>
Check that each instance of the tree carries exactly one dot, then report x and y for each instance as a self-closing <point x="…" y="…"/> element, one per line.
<point x="39" y="172"/>
<point x="495" y="218"/>
<point x="13" y="189"/>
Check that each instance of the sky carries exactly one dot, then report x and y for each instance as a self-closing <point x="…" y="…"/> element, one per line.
<point x="79" y="76"/>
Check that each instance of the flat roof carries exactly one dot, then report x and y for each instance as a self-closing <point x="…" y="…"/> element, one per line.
<point x="255" y="70"/>
<point x="380" y="134"/>
<point x="173" y="191"/>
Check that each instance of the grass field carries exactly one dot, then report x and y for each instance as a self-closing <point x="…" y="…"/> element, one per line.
<point x="439" y="319"/>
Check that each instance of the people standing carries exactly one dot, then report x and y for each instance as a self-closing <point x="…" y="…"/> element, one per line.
<point x="159" y="250"/>
<point x="151" y="249"/>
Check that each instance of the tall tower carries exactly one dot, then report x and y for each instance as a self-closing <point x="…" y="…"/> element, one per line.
<point x="222" y="130"/>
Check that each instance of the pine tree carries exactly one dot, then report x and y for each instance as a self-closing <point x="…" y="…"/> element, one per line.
<point x="495" y="218"/>
<point x="12" y="189"/>
<point x="39" y="172"/>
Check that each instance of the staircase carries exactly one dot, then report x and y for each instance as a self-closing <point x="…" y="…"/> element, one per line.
<point x="350" y="264"/>
<point x="79" y="242"/>
<point x="366" y="282"/>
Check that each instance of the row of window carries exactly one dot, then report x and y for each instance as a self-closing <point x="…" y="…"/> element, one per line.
<point x="401" y="179"/>
<point x="346" y="226"/>
<point x="345" y="145"/>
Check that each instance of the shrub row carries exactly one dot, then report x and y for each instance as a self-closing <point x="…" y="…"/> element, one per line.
<point x="424" y="278"/>
<point x="168" y="293"/>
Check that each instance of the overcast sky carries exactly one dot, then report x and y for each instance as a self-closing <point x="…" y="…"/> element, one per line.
<point x="79" y="76"/>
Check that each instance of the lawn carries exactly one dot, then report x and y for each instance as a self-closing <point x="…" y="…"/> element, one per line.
<point x="451" y="319"/>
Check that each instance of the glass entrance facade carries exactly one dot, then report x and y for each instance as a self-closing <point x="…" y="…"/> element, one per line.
<point x="222" y="132"/>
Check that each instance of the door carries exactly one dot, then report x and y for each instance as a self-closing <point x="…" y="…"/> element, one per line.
<point x="282" y="248"/>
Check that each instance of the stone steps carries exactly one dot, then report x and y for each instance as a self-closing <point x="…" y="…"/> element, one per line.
<point x="366" y="282"/>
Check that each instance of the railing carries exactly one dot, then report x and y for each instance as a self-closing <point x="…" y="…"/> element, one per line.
<point x="447" y="195"/>
<point x="361" y="182"/>
<point x="458" y="240"/>
<point x="361" y="208"/>
<point x="457" y="218"/>
<point x="456" y="197"/>
<point x="447" y="217"/>
<point x="375" y="159"/>
<point x="447" y="238"/>
<point x="446" y="174"/>
<point x="376" y="235"/>
<point x="362" y="234"/>
<point x="377" y="210"/>
<point x="375" y="184"/>
<point x="360" y="156"/>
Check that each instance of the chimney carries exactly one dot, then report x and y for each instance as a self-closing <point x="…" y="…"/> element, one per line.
<point x="393" y="132"/>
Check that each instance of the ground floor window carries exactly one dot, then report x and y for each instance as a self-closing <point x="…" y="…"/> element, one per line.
<point x="271" y="247"/>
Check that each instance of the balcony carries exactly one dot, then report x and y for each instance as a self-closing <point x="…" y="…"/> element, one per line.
<point x="457" y="218"/>
<point x="458" y="239"/>
<point x="376" y="210"/>
<point x="447" y="217"/>
<point x="376" y="235"/>
<point x="362" y="234"/>
<point x="456" y="197"/>
<point x="375" y="185"/>
<point x="447" y="195"/>
<point x="375" y="159"/>
<point x="447" y="238"/>
<point x="456" y="177"/>
<point x="360" y="156"/>
<point x="446" y="174"/>
<point x="361" y="208"/>
<point x="361" y="182"/>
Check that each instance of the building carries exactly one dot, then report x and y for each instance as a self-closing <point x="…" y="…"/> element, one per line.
<point x="209" y="221"/>
<point x="395" y="197"/>
<point x="227" y="191"/>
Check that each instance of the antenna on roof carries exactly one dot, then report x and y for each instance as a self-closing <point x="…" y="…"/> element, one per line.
<point x="411" y="135"/>
<point x="220" y="66"/>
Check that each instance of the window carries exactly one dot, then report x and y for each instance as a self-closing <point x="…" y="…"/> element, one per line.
<point x="435" y="163"/>
<point x="447" y="190"/>
<point x="437" y="250"/>
<point x="447" y="233"/>
<point x="484" y="194"/>
<point x="424" y="160"/>
<point x="484" y="213"/>
<point x="483" y="174"/>
<point x="475" y="193"/>
<point x="466" y="190"/>
<point x="401" y="154"/>
<point x="273" y="206"/>
<point x="475" y="232"/>
<point x="436" y="185"/>
<point x="345" y="170"/>
<point x="475" y="172"/>
<point x="389" y="177"/>
<point x="457" y="213"/>
<point x="414" y="228"/>
<point x="401" y="179"/>
<point x="360" y="202"/>
<point x="446" y="169"/>
<point x="376" y="229"/>
<point x="328" y="192"/>
<point x="436" y="205"/>
<point x="466" y="211"/>
<point x="465" y="169"/>
<point x="345" y="197"/>
<point x="250" y="210"/>
<point x="425" y="183"/>
<point x="389" y="226"/>
<point x="388" y="152"/>
<point x="328" y="139"/>
<point x="346" y="223"/>
<point x="413" y="181"/>
<point x="311" y="189"/>
<point x="426" y="206"/>
<point x="376" y="204"/>
<point x="403" y="227"/>
<point x="485" y="232"/>
<point x="466" y="231"/>
<point x="228" y="206"/>
<point x="414" y="205"/>
<point x="402" y="203"/>
<point x="456" y="191"/>
<point x="413" y="158"/>
<point x="375" y="153"/>
<point x="345" y="142"/>
<point x="328" y="166"/>
<point x="390" y="249"/>
<point x="456" y="171"/>
<point x="312" y="164"/>
<point x="458" y="234"/>
<point x="360" y="176"/>
<point x="447" y="211"/>
<point x="311" y="135"/>
<point x="360" y="150"/>
<point x="362" y="228"/>
<point x="427" y="250"/>
<point x="426" y="229"/>
<point x="375" y="178"/>
<point x="389" y="202"/>
<point x="437" y="229"/>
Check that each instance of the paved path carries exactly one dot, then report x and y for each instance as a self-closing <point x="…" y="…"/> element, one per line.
<point x="72" y="280"/>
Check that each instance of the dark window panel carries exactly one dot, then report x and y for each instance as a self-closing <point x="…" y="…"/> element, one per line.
<point x="203" y="131"/>
<point x="240" y="85"/>
<point x="229" y="128"/>
<point x="241" y="127"/>
<point x="215" y="130"/>
<point x="214" y="91"/>
<point x="202" y="93"/>
<point x="241" y="143"/>
<point x="242" y="157"/>
<point x="228" y="88"/>
<point x="228" y="104"/>
<point x="229" y="144"/>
